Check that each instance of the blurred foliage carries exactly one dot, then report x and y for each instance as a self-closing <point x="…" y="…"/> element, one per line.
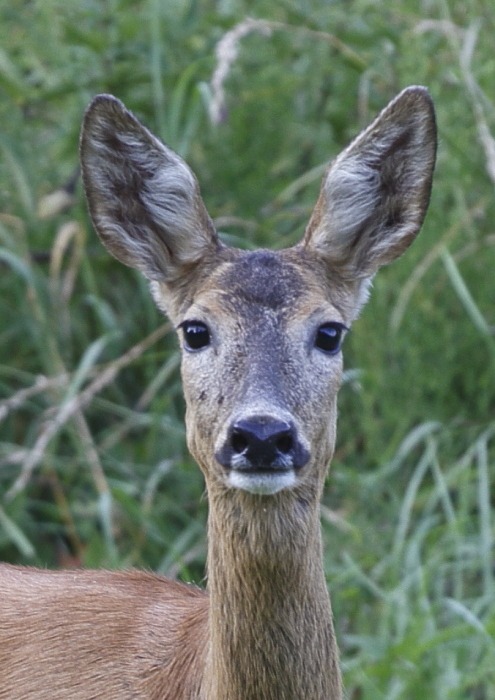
<point x="93" y="466"/>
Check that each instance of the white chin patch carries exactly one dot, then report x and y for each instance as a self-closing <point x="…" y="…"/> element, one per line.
<point x="261" y="484"/>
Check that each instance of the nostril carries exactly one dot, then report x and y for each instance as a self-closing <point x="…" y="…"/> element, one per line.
<point x="239" y="442"/>
<point x="285" y="443"/>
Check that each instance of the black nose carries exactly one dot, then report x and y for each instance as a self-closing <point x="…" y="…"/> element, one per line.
<point x="262" y="443"/>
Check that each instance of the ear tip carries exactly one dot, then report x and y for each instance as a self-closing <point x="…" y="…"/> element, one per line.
<point x="415" y="107"/>
<point x="417" y="90"/>
<point x="416" y="97"/>
<point x="103" y="108"/>
<point x="106" y="101"/>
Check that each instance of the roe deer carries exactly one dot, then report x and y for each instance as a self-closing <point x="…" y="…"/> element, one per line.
<point x="261" y="334"/>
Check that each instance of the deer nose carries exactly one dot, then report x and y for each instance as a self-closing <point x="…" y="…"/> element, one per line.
<point x="262" y="443"/>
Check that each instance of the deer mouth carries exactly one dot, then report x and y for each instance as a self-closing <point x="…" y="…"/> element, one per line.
<point x="262" y="482"/>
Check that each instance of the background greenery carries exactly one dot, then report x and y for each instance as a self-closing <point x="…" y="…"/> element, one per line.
<point x="93" y="466"/>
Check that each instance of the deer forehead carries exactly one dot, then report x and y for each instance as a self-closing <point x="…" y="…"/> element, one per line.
<point x="267" y="289"/>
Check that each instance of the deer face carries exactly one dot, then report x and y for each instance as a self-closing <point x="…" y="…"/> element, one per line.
<point x="260" y="331"/>
<point x="261" y="369"/>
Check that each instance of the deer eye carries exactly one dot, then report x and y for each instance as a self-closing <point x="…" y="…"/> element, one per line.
<point x="196" y="335"/>
<point x="329" y="337"/>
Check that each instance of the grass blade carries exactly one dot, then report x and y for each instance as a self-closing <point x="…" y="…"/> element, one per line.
<point x="464" y="294"/>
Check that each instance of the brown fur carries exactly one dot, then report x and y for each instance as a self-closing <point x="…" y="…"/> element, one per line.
<point x="85" y="634"/>
<point x="265" y="629"/>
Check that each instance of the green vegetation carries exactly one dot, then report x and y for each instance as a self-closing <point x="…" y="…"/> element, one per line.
<point x="93" y="466"/>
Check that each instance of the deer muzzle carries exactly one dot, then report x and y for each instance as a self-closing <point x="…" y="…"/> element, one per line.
<point x="262" y="454"/>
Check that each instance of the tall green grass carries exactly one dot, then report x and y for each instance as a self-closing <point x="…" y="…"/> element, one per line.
<point x="93" y="465"/>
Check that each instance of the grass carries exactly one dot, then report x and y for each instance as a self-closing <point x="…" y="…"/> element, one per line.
<point x="93" y="465"/>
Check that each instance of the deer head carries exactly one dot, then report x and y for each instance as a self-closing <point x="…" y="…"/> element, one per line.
<point x="261" y="331"/>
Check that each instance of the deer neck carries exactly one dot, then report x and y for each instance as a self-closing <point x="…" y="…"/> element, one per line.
<point x="271" y="631"/>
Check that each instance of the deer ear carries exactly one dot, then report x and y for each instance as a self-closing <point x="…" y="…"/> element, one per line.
<point x="143" y="198"/>
<point x="374" y="196"/>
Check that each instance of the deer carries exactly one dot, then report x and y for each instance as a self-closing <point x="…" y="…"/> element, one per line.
<point x="261" y="335"/>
